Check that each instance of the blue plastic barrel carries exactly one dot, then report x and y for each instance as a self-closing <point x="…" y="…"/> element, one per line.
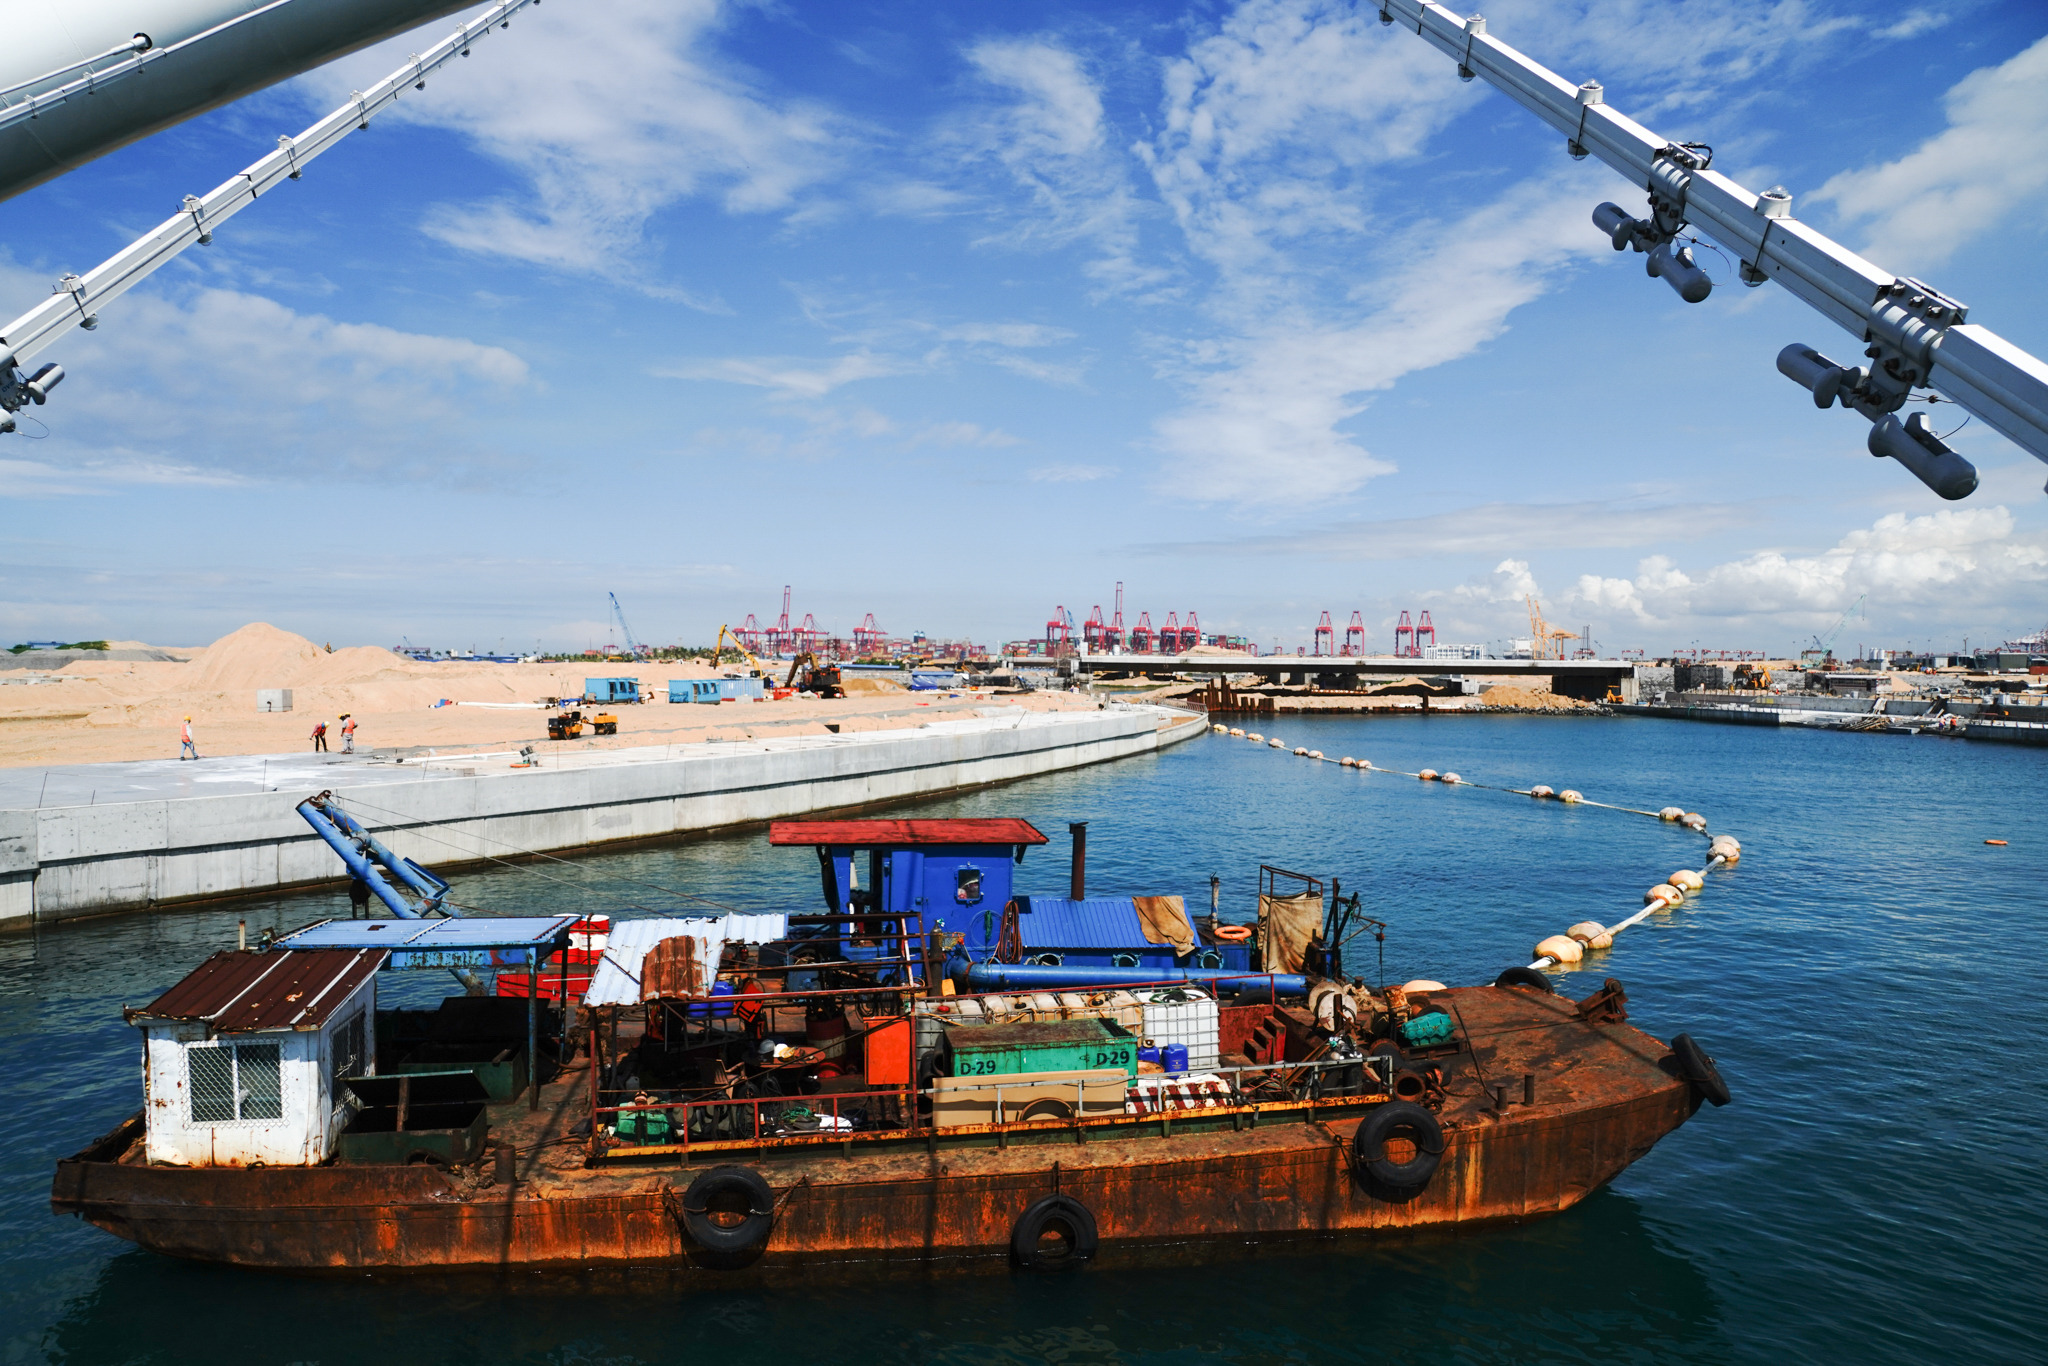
<point x="1174" y="1058"/>
<point x="702" y="1011"/>
<point x="1148" y="1053"/>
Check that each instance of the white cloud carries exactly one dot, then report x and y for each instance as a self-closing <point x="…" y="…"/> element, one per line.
<point x="952" y="434"/>
<point x="1265" y="424"/>
<point x="610" y="112"/>
<point x="1988" y="165"/>
<point x="786" y="376"/>
<point x="1913" y="24"/>
<point x="1070" y="474"/>
<point x="1046" y="129"/>
<point x="1494" y="528"/>
<point x="1927" y="568"/>
<point x="218" y="385"/>
<point x="1007" y="334"/>
<point x="103" y="476"/>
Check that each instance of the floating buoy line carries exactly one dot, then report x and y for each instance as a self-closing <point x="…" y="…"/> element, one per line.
<point x="1562" y="950"/>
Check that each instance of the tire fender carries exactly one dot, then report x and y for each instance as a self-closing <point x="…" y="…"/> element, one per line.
<point x="1398" y="1118"/>
<point x="1054" y="1212"/>
<point x="1697" y="1067"/>
<point x="1526" y="977"/>
<point x="729" y="1184"/>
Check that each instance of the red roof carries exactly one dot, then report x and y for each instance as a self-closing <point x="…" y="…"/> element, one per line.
<point x="967" y="830"/>
<point x="284" y="989"/>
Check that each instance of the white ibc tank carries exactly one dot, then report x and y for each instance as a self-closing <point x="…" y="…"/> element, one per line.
<point x="1192" y="1022"/>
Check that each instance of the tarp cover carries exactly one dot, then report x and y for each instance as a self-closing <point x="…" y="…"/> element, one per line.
<point x="1286" y="924"/>
<point x="1164" y="919"/>
<point x="625" y="977"/>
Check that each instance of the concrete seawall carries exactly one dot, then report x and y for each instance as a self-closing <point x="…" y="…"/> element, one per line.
<point x="123" y="850"/>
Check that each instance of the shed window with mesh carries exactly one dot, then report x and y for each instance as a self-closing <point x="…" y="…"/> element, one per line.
<point x="234" y="1081"/>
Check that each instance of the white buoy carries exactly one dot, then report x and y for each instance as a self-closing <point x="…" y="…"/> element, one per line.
<point x="1671" y="813"/>
<point x="1220" y="729"/>
<point x="1347" y="761"/>
<point x="1428" y="775"/>
<point x="1254" y="736"/>
<point x="1453" y="779"/>
<point x="1693" y="820"/>
<point x="1541" y="792"/>
<point x="1276" y="744"/>
<point x="1301" y="749"/>
<point x="1592" y="934"/>
<point x="1237" y="732"/>
<point x="1686" y="880"/>
<point x="1315" y="754"/>
<point x="1561" y="947"/>
<point x="1665" y="893"/>
<point x="1568" y="796"/>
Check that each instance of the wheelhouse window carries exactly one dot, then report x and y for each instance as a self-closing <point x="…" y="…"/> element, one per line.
<point x="234" y="1081"/>
<point x="967" y="886"/>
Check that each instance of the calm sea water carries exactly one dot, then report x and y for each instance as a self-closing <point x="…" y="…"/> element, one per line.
<point x="1870" y="978"/>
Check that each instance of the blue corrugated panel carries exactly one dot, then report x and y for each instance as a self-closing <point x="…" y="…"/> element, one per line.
<point x="1097" y="923"/>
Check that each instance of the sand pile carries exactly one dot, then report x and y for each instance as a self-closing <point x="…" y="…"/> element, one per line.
<point x="1528" y="699"/>
<point x="257" y="656"/>
<point x="861" y="687"/>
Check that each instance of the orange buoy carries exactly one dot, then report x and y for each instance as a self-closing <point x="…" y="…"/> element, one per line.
<point x="1233" y="934"/>
<point x="1994" y="841"/>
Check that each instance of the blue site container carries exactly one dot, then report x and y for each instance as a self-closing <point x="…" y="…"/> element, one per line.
<point x="1174" y="1058"/>
<point x="602" y="690"/>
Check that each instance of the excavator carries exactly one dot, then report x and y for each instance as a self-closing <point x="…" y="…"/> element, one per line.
<point x="808" y="673"/>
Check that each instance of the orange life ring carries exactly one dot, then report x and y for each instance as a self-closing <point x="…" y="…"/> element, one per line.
<point x="1233" y="934"/>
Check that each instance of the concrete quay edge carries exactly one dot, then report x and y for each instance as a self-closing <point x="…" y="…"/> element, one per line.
<point x="62" y="862"/>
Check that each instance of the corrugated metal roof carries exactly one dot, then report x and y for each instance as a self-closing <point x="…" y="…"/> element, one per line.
<point x="617" y="979"/>
<point x="238" y="991"/>
<point x="868" y="834"/>
<point x="1055" y="922"/>
<point x="462" y="932"/>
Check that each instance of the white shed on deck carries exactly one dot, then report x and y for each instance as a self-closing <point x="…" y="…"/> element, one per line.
<point x="243" y="1060"/>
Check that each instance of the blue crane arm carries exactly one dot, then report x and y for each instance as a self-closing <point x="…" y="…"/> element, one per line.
<point x="372" y="862"/>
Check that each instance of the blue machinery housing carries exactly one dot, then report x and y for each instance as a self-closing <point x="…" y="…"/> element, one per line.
<point x="372" y="863"/>
<point x="956" y="878"/>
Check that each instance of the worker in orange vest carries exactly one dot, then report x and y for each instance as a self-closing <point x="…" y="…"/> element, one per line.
<point x="319" y="737"/>
<point x="348" y="733"/>
<point x="187" y="749"/>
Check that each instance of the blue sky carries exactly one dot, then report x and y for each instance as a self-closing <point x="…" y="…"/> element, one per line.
<point x="952" y="313"/>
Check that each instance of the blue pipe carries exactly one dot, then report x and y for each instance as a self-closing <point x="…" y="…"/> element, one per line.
<point x="364" y="855"/>
<point x="1041" y="977"/>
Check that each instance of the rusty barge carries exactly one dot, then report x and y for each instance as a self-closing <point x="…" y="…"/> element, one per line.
<point x="813" y="1091"/>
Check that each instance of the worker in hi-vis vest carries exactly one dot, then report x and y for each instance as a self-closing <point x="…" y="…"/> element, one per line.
<point x="187" y="750"/>
<point x="348" y="733"/>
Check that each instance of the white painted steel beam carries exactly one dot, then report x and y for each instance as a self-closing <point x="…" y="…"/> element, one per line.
<point x="76" y="299"/>
<point x="1924" y="333"/>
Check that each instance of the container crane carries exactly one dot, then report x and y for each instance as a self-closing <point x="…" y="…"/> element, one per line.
<point x="1915" y="336"/>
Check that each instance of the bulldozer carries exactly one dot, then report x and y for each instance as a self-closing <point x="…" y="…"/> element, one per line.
<point x="808" y="674"/>
<point x="1754" y="676"/>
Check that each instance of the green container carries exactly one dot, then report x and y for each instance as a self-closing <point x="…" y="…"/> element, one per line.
<point x="444" y="1120"/>
<point x="503" y="1078"/>
<point x="1089" y="1045"/>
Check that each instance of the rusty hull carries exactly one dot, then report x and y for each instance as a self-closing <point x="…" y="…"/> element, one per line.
<point x="1604" y="1093"/>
